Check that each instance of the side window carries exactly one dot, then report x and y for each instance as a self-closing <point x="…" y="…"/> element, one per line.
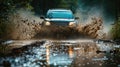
<point x="49" y="15"/>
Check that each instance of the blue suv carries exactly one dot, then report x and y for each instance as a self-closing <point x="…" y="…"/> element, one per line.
<point x="59" y="17"/>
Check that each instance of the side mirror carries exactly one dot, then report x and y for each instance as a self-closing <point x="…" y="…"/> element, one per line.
<point x="42" y="17"/>
<point x="76" y="17"/>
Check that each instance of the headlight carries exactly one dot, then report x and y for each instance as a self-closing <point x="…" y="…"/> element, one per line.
<point x="47" y="23"/>
<point x="72" y="24"/>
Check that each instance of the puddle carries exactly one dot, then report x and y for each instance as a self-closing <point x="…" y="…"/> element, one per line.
<point x="64" y="54"/>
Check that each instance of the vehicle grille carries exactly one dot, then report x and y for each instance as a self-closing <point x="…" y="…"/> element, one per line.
<point x="60" y="23"/>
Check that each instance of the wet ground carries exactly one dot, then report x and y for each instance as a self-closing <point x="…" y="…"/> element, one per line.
<point x="64" y="53"/>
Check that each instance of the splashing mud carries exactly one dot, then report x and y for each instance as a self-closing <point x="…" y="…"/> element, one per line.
<point x="25" y="25"/>
<point x="93" y="29"/>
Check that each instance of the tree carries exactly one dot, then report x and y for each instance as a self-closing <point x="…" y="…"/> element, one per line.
<point x="116" y="26"/>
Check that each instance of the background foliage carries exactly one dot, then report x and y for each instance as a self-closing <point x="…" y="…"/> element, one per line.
<point x="116" y="29"/>
<point x="41" y="6"/>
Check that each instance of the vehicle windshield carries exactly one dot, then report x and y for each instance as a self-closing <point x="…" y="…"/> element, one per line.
<point x="60" y="14"/>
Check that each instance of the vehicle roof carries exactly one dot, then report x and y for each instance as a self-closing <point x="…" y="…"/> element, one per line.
<point x="59" y="10"/>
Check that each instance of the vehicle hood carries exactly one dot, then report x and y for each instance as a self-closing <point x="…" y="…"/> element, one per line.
<point x="66" y="20"/>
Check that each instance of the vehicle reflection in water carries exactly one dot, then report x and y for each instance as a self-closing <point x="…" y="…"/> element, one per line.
<point x="79" y="55"/>
<point x="71" y="54"/>
<point x="60" y="55"/>
<point x="47" y="55"/>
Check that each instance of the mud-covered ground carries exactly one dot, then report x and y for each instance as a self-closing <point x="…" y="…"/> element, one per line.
<point x="64" y="53"/>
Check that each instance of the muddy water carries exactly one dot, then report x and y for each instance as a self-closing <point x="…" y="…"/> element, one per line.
<point x="80" y="53"/>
